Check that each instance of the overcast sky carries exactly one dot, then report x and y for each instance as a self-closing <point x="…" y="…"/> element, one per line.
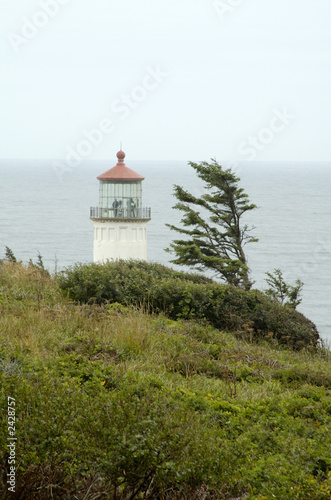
<point x="172" y="79"/>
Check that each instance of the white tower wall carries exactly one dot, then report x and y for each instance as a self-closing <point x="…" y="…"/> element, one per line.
<point x="119" y="240"/>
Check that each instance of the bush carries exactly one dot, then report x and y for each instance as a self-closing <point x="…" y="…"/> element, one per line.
<point x="249" y="314"/>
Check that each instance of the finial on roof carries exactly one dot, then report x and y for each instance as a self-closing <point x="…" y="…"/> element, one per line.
<point x="121" y="155"/>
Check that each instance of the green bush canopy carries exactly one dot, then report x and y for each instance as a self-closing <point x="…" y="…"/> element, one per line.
<point x="249" y="314"/>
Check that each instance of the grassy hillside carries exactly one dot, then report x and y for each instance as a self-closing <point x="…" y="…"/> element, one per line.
<point x="115" y="403"/>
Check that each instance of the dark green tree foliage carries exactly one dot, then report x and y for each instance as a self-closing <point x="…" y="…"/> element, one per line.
<point x="9" y="255"/>
<point x="281" y="291"/>
<point x="216" y="237"/>
<point x="39" y="265"/>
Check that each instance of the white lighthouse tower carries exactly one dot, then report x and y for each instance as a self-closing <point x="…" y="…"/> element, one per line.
<point x="120" y="221"/>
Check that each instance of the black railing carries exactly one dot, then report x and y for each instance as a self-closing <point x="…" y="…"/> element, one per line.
<point x="120" y="213"/>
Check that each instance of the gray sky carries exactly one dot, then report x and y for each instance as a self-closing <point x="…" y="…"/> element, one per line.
<point x="172" y="79"/>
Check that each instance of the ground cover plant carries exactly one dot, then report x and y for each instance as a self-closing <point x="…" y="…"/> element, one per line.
<point x="112" y="402"/>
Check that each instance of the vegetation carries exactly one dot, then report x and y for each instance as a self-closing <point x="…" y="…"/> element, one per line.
<point x="9" y="255"/>
<point x="248" y="314"/>
<point x="218" y="244"/>
<point x="283" y="292"/>
<point x="112" y="402"/>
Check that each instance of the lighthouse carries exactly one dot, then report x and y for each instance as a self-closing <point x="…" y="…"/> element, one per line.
<point x="120" y="221"/>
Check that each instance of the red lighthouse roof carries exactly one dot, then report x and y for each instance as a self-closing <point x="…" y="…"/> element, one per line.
<point x="120" y="172"/>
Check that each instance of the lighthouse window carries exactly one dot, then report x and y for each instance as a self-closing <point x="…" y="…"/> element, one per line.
<point x="121" y="199"/>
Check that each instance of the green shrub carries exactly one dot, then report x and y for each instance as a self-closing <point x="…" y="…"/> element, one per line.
<point x="250" y="314"/>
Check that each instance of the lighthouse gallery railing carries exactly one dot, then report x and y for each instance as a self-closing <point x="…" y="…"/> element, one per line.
<point x="120" y="213"/>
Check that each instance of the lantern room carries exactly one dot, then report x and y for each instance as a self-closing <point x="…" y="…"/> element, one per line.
<point x="120" y="193"/>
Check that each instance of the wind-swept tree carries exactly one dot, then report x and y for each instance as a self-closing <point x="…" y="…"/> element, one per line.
<point x="215" y="235"/>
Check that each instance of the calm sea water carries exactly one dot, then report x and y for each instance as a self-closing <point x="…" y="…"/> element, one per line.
<point x="42" y="213"/>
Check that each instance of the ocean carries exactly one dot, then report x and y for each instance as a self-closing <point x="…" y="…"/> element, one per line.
<point x="48" y="213"/>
